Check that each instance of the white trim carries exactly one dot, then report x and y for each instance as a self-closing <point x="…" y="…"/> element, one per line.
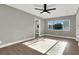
<point x="78" y="43"/>
<point x="63" y="26"/>
<point x="12" y="43"/>
<point x="77" y="11"/>
<point x="42" y="35"/>
<point x="61" y="36"/>
<point x="34" y="27"/>
<point x="39" y="25"/>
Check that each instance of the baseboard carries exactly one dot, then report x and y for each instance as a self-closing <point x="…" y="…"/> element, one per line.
<point x="61" y="36"/>
<point x="12" y="43"/>
<point x="42" y="35"/>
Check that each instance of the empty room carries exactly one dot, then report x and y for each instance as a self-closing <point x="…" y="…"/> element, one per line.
<point x="39" y="29"/>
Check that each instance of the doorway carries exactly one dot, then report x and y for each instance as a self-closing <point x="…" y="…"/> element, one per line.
<point x="37" y="27"/>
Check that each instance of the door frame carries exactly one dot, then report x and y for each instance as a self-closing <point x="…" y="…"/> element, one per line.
<point x="34" y="26"/>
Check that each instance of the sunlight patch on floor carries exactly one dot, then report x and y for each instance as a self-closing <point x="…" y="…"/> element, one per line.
<point x="58" y="49"/>
<point x="48" y="46"/>
<point x="42" y="45"/>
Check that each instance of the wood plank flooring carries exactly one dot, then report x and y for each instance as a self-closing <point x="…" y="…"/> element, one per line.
<point x="20" y="49"/>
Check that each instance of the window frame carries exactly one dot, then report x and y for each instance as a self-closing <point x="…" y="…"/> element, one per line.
<point x="63" y="26"/>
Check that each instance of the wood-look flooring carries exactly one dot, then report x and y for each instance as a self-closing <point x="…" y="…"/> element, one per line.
<point x="72" y="48"/>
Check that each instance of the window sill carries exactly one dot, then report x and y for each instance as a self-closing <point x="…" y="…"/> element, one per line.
<point x="58" y="30"/>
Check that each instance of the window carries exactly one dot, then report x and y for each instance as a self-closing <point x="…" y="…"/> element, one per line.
<point x="59" y="25"/>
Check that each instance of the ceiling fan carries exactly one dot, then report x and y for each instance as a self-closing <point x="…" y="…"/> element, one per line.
<point x="45" y="9"/>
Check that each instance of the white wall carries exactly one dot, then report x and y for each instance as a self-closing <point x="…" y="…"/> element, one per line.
<point x="42" y="27"/>
<point x="77" y="25"/>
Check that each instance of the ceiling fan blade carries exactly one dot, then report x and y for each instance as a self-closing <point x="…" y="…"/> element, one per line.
<point x="38" y="9"/>
<point x="48" y="12"/>
<point x="51" y="9"/>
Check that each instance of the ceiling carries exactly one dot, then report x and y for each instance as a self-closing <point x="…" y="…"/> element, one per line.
<point x="61" y="9"/>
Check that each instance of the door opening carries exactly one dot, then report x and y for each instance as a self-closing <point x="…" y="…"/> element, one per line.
<point x="37" y="28"/>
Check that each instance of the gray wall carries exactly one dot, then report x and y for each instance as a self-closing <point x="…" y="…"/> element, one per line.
<point x="15" y="24"/>
<point x="71" y="33"/>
